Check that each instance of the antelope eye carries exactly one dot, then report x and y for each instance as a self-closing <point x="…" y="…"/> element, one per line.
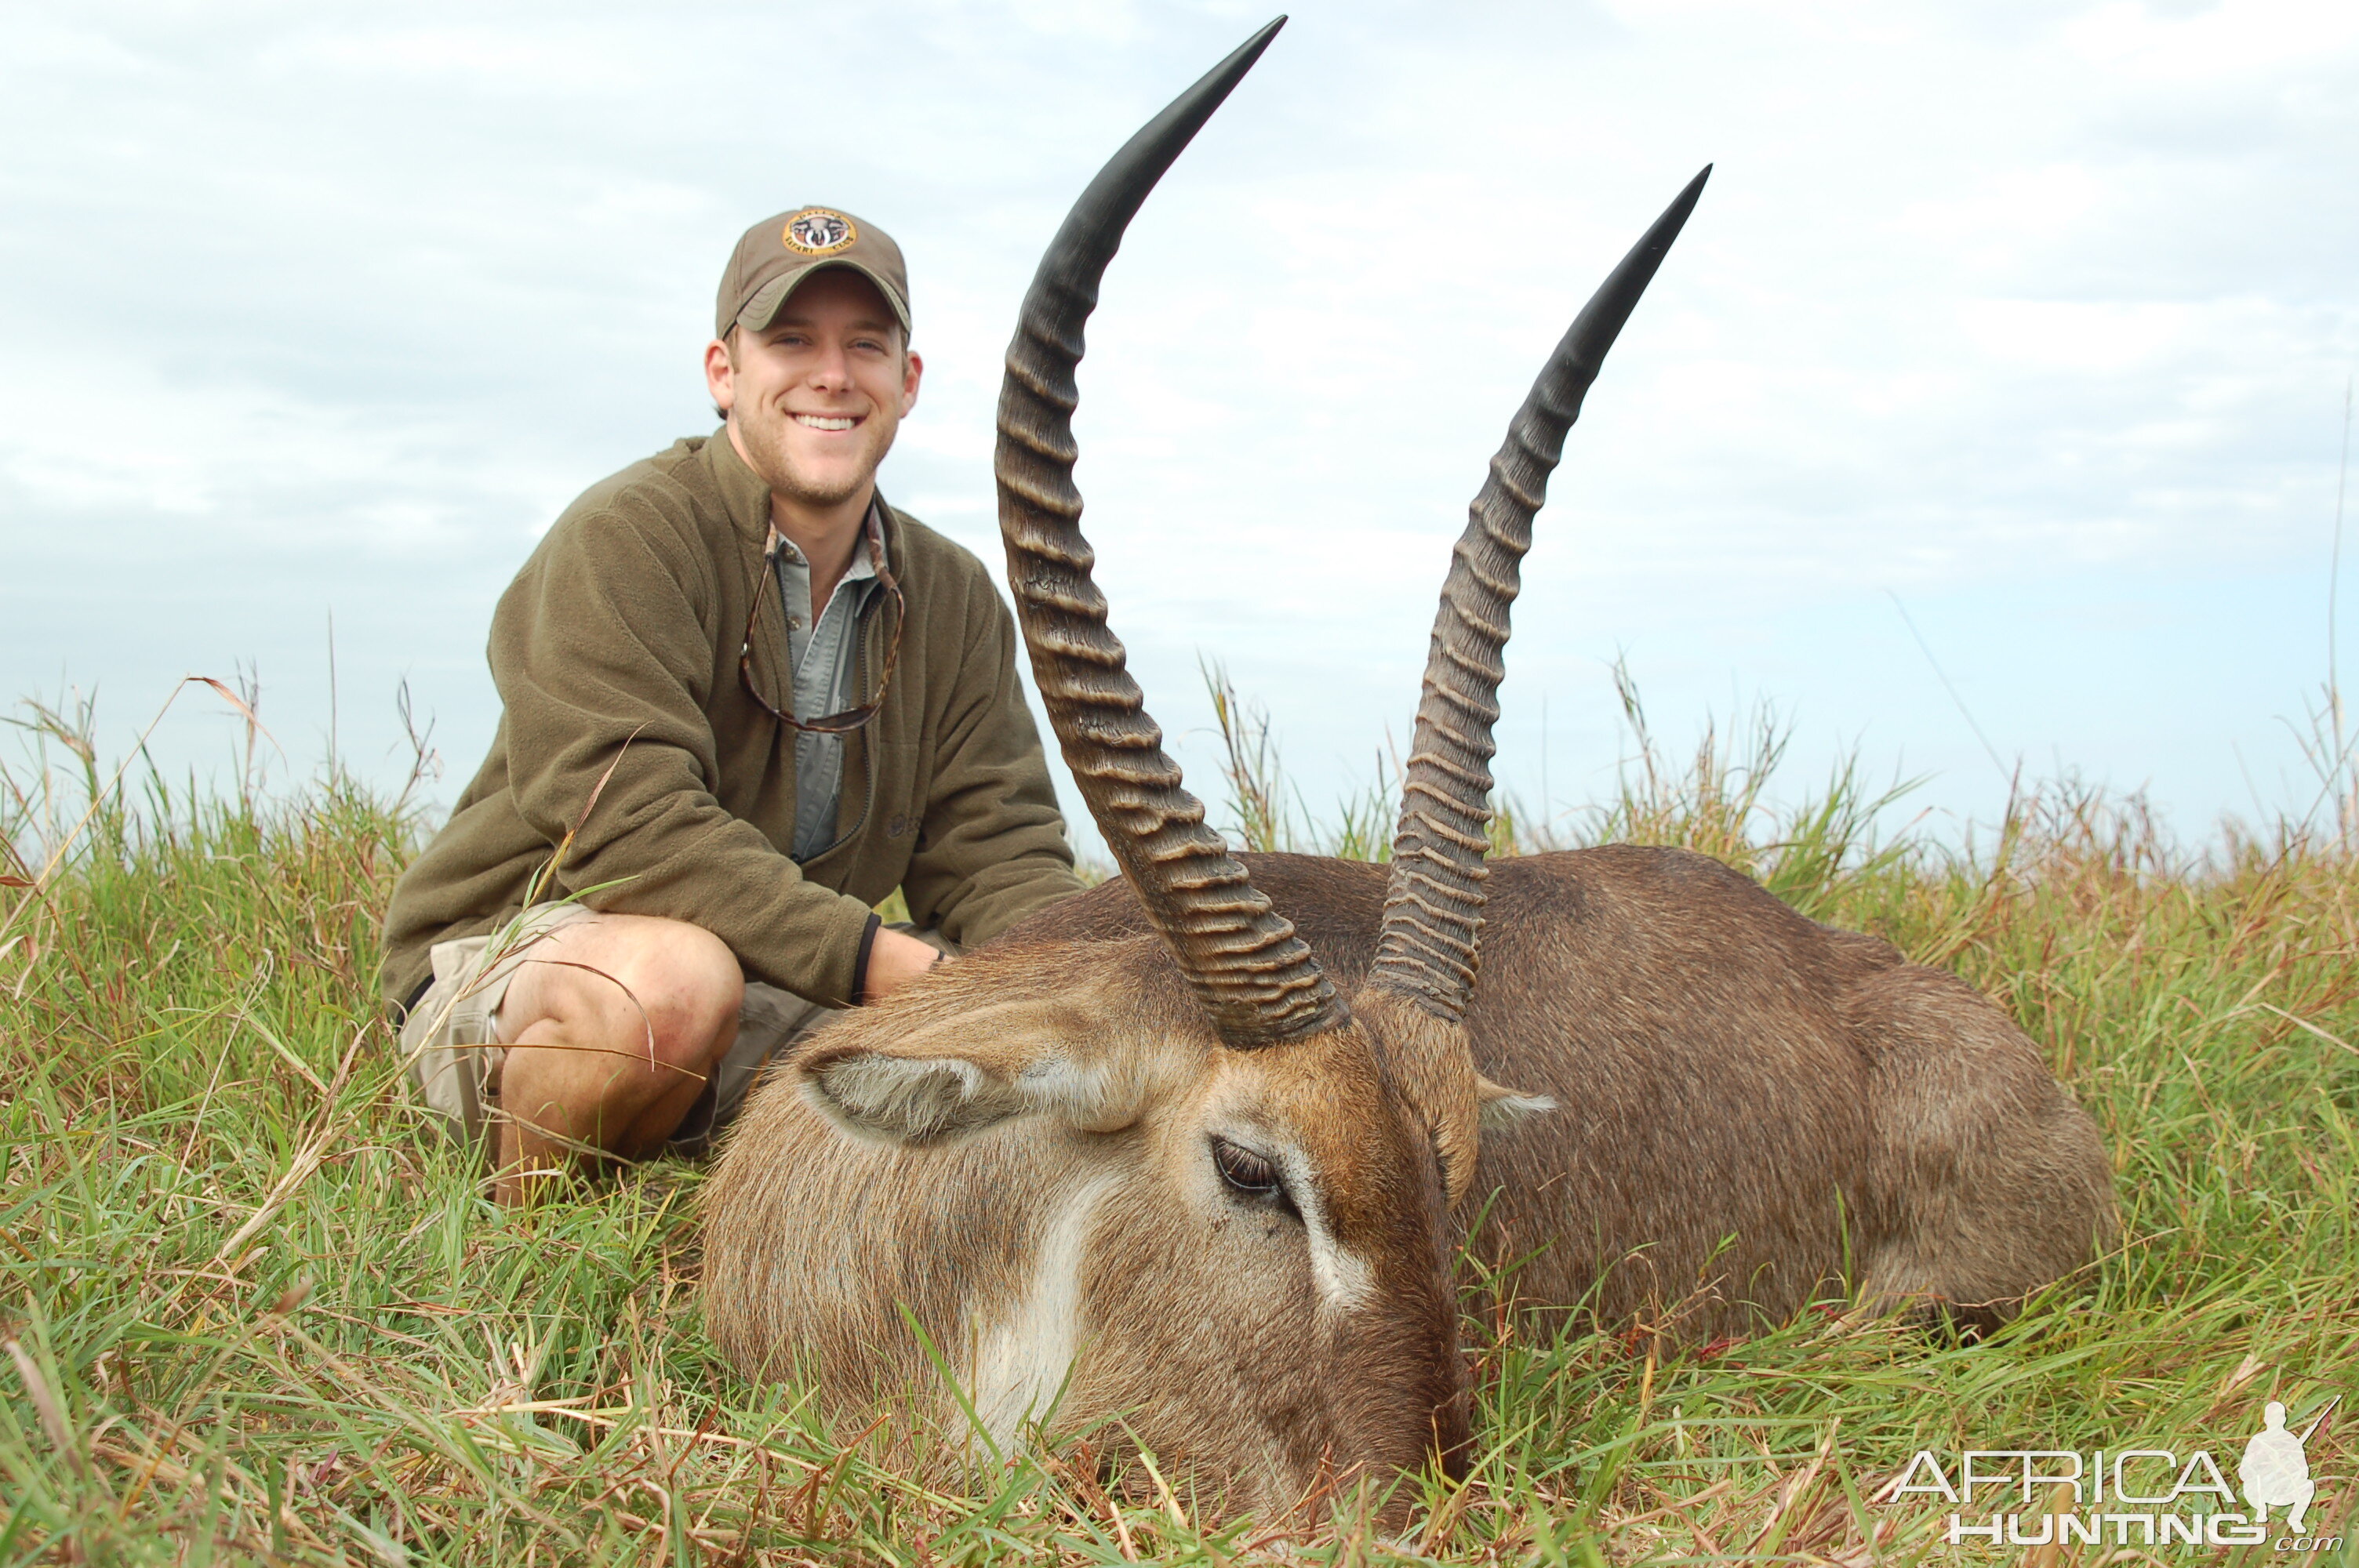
<point x="1245" y="1170"/>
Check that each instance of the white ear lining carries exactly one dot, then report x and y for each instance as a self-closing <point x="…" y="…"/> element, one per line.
<point x="1504" y="1109"/>
<point x="922" y="1099"/>
<point x="903" y="1099"/>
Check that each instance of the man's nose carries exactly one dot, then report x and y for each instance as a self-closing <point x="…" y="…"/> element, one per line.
<point x="832" y="371"/>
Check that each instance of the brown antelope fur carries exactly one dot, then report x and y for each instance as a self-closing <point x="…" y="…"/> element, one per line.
<point x="1050" y="1201"/>
<point x="1752" y="1111"/>
<point x="1196" y="1151"/>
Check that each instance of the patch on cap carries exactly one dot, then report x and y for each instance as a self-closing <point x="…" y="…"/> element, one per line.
<point x="816" y="231"/>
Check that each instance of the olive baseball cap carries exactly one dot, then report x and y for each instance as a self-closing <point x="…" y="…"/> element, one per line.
<point x="776" y="253"/>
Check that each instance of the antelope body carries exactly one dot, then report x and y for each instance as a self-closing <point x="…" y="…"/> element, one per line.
<point x="1197" y="1149"/>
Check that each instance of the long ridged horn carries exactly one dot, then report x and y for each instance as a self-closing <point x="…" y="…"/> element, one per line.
<point x="1434" y="906"/>
<point x="1257" y="979"/>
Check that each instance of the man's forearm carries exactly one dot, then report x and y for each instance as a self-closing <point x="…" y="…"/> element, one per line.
<point x="895" y="959"/>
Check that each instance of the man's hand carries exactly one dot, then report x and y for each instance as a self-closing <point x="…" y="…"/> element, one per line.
<point x="894" y="960"/>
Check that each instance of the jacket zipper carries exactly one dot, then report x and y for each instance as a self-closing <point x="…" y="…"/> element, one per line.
<point x="868" y="759"/>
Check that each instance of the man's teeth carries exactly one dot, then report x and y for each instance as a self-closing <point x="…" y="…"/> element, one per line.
<point x="823" y="421"/>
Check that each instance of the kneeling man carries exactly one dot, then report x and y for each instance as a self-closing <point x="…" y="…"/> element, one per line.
<point x="744" y="700"/>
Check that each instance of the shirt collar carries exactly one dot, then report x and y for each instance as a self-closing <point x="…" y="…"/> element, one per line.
<point x="872" y="552"/>
<point x="866" y="561"/>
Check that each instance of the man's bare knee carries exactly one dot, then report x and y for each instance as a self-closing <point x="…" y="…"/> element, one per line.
<point x="660" y="988"/>
<point x="611" y="1024"/>
<point x="686" y="988"/>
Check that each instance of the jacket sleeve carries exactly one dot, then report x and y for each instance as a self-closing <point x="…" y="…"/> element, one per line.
<point x="604" y="656"/>
<point x="991" y="848"/>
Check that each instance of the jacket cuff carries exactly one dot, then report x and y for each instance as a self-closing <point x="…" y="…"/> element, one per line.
<point x="859" y="959"/>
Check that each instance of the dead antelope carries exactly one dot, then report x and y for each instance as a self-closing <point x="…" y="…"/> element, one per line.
<point x="1165" y="1154"/>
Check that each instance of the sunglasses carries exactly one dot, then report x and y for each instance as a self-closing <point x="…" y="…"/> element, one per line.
<point x="851" y="718"/>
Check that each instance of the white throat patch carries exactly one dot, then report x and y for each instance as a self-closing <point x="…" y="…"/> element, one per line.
<point x="1022" y="1357"/>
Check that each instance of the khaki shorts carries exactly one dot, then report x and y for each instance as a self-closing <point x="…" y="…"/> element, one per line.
<point x="450" y="1041"/>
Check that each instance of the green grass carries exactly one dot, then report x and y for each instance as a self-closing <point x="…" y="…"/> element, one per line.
<point x="261" y="1312"/>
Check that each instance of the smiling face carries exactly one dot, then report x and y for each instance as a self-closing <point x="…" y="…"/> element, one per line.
<point x="814" y="399"/>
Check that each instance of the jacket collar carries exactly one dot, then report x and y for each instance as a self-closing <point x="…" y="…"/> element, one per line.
<point x="742" y="494"/>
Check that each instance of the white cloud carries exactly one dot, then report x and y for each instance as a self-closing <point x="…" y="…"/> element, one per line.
<point x="1995" y="305"/>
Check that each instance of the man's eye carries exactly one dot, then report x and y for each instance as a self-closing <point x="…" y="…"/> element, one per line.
<point x="1245" y="1170"/>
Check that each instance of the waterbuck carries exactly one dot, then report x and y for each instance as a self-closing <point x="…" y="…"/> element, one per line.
<point x="1167" y="1154"/>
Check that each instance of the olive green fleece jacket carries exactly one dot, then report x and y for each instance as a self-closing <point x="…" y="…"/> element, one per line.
<point x="618" y="647"/>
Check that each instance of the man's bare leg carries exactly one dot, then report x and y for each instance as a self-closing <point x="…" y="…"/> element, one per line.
<point x="611" y="1024"/>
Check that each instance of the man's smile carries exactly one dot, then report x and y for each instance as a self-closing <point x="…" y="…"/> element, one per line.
<point x="826" y="421"/>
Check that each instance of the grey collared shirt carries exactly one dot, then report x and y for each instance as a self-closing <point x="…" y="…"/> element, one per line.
<point x="823" y="657"/>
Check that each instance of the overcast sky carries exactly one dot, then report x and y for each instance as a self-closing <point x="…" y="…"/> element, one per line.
<point x="2034" y="318"/>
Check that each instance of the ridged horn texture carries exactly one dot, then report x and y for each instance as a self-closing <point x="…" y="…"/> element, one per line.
<point x="1257" y="980"/>
<point x="1434" y="906"/>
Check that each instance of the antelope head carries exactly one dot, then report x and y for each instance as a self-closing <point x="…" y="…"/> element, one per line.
<point x="1257" y="1172"/>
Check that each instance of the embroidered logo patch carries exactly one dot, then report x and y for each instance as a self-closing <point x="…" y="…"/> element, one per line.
<point x="816" y="231"/>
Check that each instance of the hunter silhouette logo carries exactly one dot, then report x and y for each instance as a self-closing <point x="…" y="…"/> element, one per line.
<point x="2275" y="1471"/>
<point x="2126" y="1497"/>
<point x="816" y="231"/>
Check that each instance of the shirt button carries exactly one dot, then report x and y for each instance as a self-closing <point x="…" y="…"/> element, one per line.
<point x="794" y="622"/>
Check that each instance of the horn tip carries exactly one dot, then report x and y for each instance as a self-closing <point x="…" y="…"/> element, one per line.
<point x="1250" y="51"/>
<point x="1675" y="216"/>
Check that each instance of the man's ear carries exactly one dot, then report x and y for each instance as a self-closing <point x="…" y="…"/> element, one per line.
<point x="720" y="376"/>
<point x="1502" y="1107"/>
<point x="911" y="373"/>
<point x="965" y="1073"/>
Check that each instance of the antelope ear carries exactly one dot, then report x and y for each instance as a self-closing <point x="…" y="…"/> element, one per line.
<point x="963" y="1074"/>
<point x="903" y="1099"/>
<point x="1503" y="1107"/>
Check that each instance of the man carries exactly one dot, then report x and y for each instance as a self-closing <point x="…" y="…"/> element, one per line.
<point x="2275" y="1471"/>
<point x="744" y="700"/>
